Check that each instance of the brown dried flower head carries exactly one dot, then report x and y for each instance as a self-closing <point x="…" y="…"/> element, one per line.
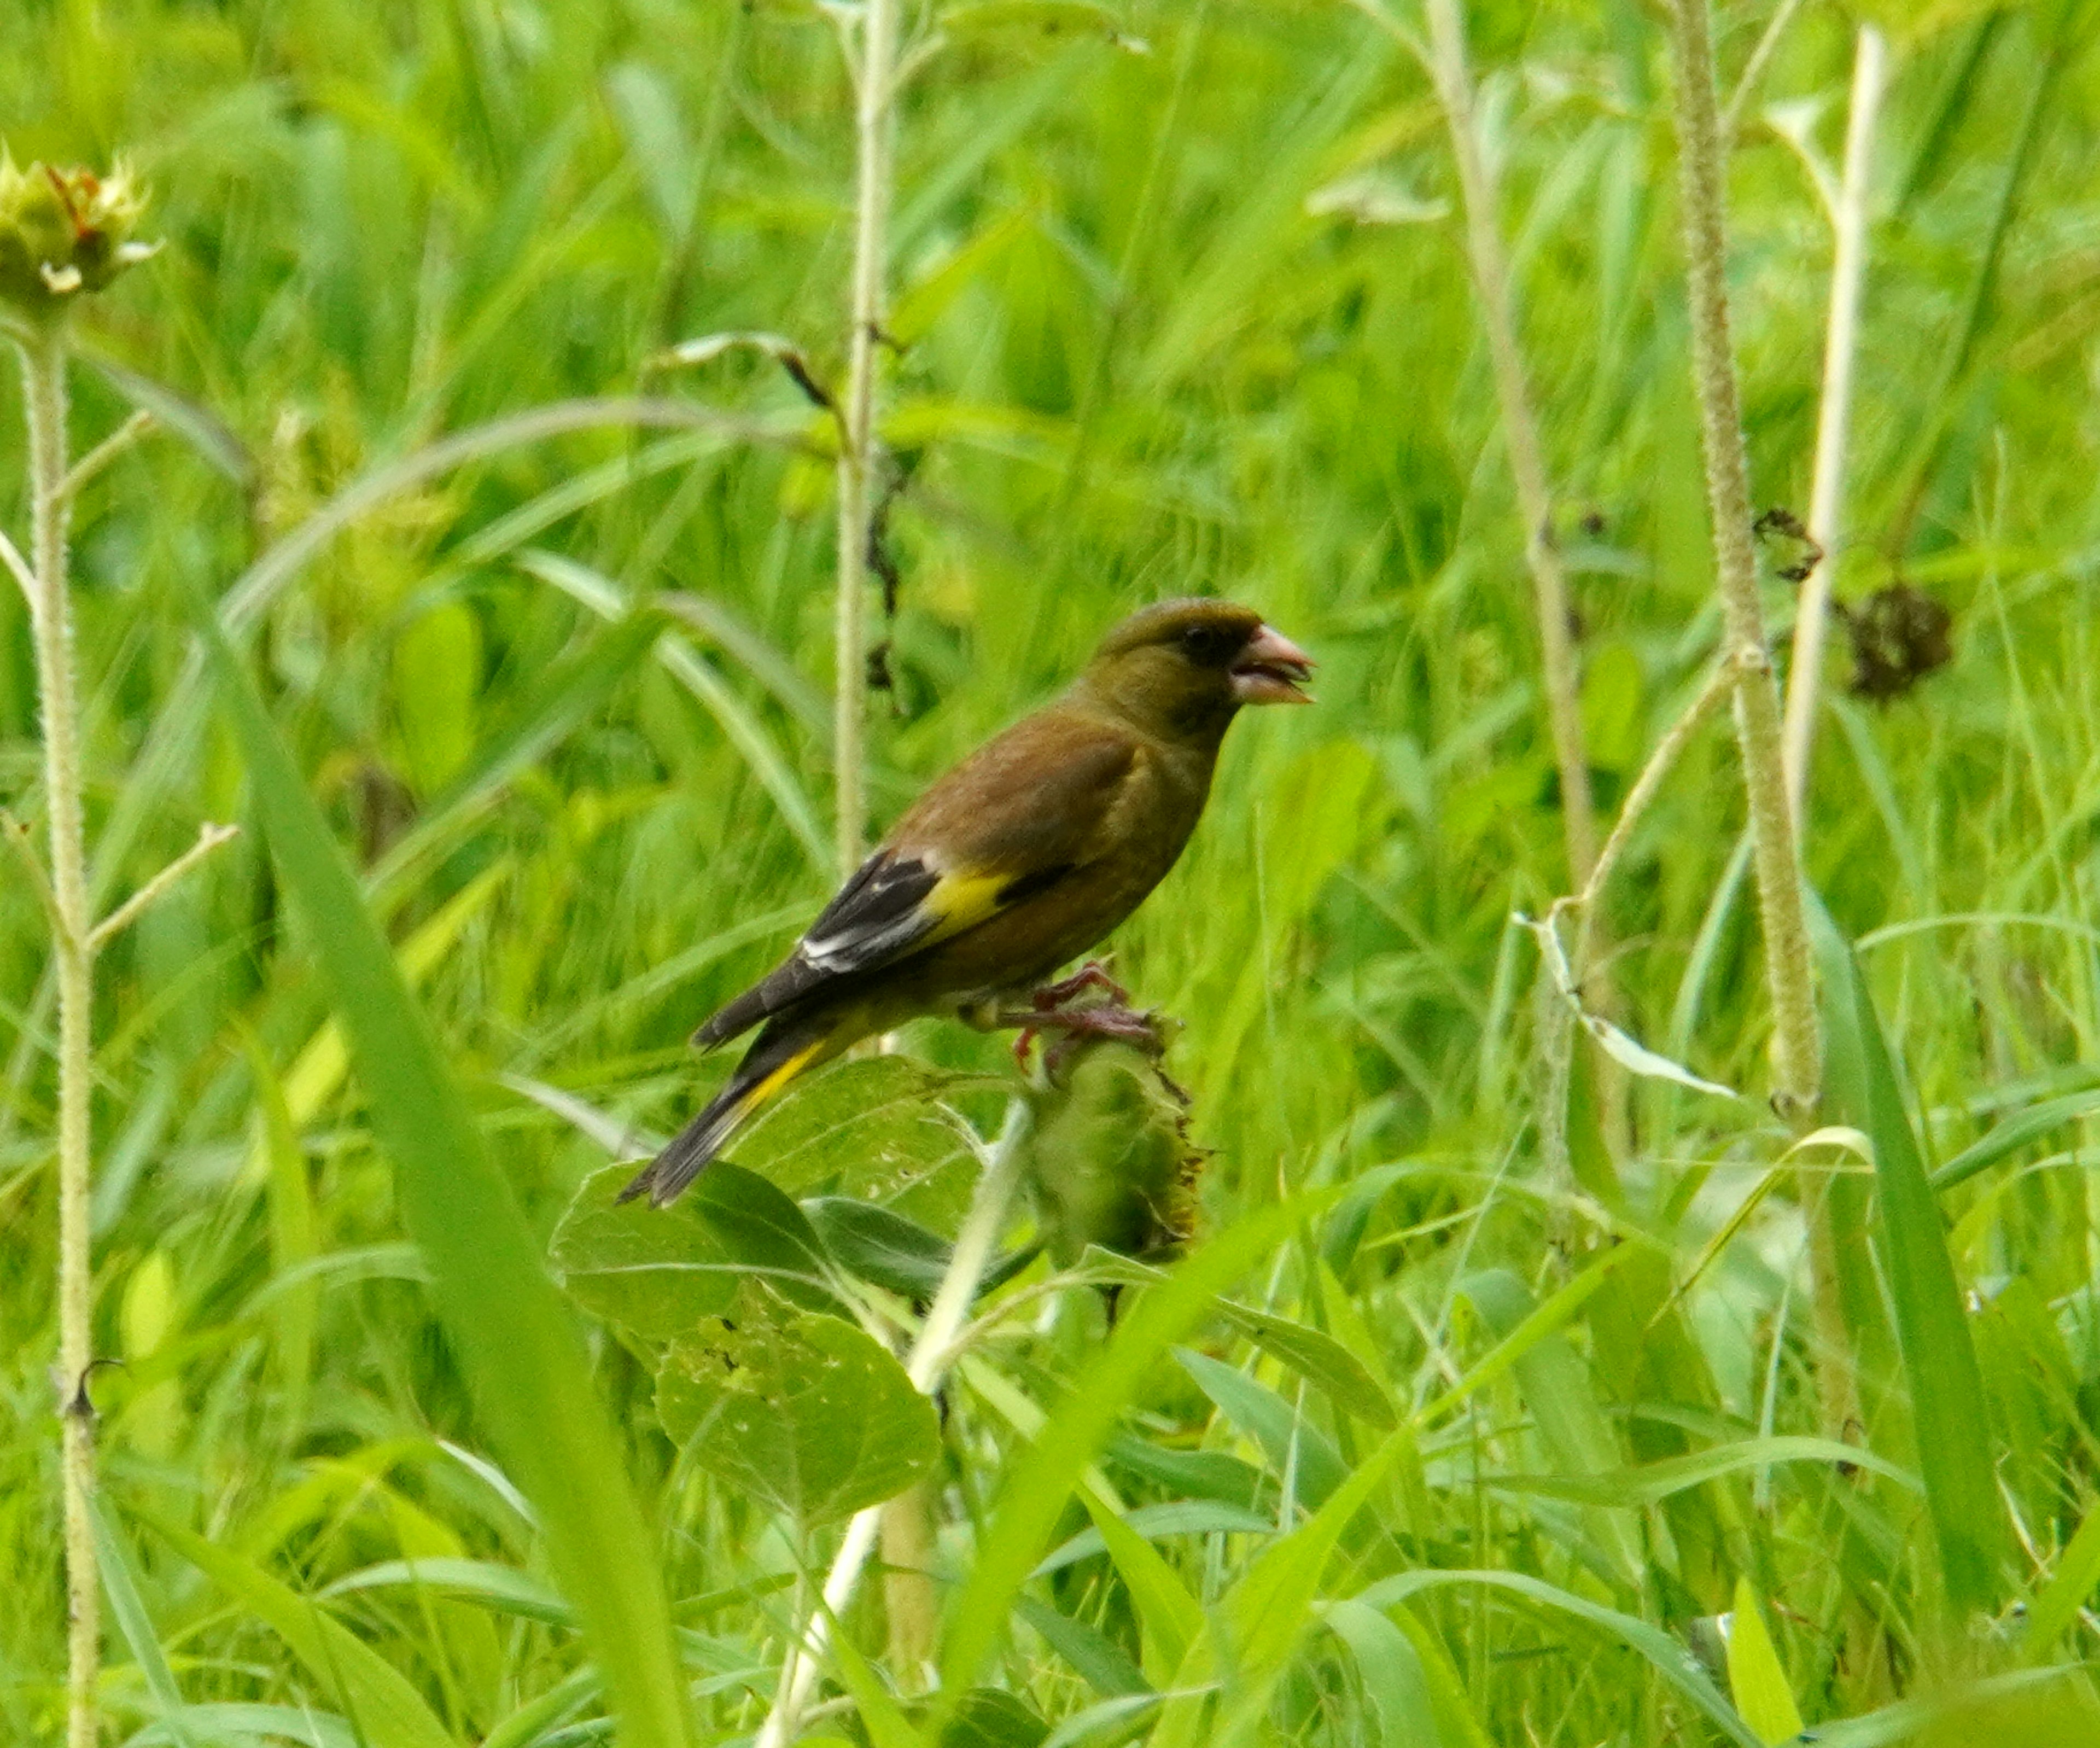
<point x="64" y="232"/>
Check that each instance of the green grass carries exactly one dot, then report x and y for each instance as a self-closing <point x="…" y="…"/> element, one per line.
<point x="563" y="706"/>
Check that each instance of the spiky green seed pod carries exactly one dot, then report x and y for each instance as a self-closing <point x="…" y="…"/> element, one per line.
<point x="64" y="232"/>
<point x="1110" y="1161"/>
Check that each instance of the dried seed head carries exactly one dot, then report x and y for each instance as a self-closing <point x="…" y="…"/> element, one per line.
<point x="1900" y="635"/>
<point x="64" y="232"/>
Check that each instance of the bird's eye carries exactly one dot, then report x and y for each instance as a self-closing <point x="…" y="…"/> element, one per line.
<point x="1209" y="644"/>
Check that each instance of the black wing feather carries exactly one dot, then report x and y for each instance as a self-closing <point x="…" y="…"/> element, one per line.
<point x="875" y="918"/>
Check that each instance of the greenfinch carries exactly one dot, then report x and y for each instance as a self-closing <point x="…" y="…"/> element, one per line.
<point x="1012" y="864"/>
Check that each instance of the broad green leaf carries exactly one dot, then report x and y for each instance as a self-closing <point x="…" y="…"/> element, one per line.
<point x="877" y="1130"/>
<point x="1757" y="1679"/>
<point x="1948" y="1403"/>
<point x="1649" y="1483"/>
<point x="658" y="1273"/>
<point x="358" y="1682"/>
<point x="1206" y="1474"/>
<point x="1516" y="1344"/>
<point x="514" y="1337"/>
<point x="1150" y="1523"/>
<point x="1299" y="1453"/>
<point x="230" y="1722"/>
<point x="805" y="1411"/>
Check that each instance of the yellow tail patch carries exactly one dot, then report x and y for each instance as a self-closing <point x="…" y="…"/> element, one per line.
<point x="764" y="1091"/>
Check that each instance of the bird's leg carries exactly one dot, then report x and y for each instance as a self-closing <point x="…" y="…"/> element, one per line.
<point x="1094" y="974"/>
<point x="1105" y="1019"/>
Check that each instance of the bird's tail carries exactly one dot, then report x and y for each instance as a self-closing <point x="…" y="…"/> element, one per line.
<point x="786" y="1049"/>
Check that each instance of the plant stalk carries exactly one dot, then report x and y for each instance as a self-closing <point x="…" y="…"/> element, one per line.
<point x="1826" y="505"/>
<point x="1477" y="182"/>
<point x="1796" y="1040"/>
<point x="44" y="395"/>
<point x="932" y="1353"/>
<point x="876" y="73"/>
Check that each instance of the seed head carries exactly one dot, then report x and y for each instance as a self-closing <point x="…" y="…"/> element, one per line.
<point x="64" y="232"/>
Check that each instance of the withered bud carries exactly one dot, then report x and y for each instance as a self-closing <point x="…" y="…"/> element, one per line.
<point x="1110" y="1161"/>
<point x="64" y="232"/>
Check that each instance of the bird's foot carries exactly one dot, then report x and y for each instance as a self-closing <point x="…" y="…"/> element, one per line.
<point x="1052" y="997"/>
<point x="1113" y="1019"/>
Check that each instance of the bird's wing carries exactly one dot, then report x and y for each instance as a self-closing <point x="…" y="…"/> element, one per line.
<point x="1008" y="822"/>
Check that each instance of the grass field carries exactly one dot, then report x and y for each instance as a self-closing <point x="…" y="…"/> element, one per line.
<point x="1501" y="1400"/>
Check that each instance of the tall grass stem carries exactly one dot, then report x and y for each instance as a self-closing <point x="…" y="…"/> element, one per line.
<point x="1826" y="505"/>
<point x="1490" y="264"/>
<point x="42" y="352"/>
<point x="932" y="1353"/>
<point x="1798" y="1045"/>
<point x="875" y="71"/>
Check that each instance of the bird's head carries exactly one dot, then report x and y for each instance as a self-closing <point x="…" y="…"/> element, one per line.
<point x="1183" y="667"/>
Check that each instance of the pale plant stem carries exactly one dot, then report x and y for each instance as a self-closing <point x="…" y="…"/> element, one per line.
<point x="1826" y="505"/>
<point x="1753" y="70"/>
<point x="875" y="71"/>
<point x="1719" y="683"/>
<point x="209" y="838"/>
<point x="1796" y="1041"/>
<point x="1476" y="182"/>
<point x="44" y="395"/>
<point x="932" y="1351"/>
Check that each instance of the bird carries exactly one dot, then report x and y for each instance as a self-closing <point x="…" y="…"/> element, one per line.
<point x="1015" y="862"/>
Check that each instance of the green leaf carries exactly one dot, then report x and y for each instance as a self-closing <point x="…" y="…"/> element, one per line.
<point x="2014" y="1133"/>
<point x="1298" y="1451"/>
<point x="1670" y="1660"/>
<point x="1948" y="1403"/>
<point x="502" y="1588"/>
<point x="359" y="1683"/>
<point x="1757" y="1679"/>
<point x="1314" y="1355"/>
<point x="1559" y="1390"/>
<point x="658" y="1273"/>
<point x="1099" y="1661"/>
<point x="2077" y="1571"/>
<point x="805" y="1411"/>
<point x="1391" y="1673"/>
<point x="437" y="680"/>
<point x="1043" y="1475"/>
<point x="990" y="1718"/>
<point x="880" y="1245"/>
<point x="1170" y="1617"/>
<point x="120" y="1582"/>
<point x="877" y="1130"/>
<point x="513" y="1334"/>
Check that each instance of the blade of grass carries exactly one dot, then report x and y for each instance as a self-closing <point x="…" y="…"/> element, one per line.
<point x="1948" y="1403"/>
<point x="515" y="1339"/>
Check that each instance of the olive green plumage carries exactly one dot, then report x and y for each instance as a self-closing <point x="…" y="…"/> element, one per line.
<point x="1019" y="860"/>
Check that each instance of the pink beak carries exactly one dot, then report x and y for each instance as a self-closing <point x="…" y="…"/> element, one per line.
<point x="1270" y="670"/>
